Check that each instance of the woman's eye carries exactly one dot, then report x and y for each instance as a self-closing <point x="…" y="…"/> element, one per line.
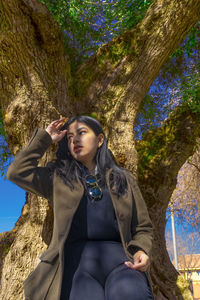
<point x="69" y="137"/>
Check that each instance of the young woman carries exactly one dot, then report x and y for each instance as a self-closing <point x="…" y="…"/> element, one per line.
<point x="102" y="235"/>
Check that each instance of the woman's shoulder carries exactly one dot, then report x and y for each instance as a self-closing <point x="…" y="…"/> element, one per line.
<point x="51" y="165"/>
<point x="127" y="171"/>
<point x="129" y="175"/>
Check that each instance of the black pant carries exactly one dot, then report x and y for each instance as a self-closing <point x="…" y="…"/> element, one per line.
<point x="102" y="275"/>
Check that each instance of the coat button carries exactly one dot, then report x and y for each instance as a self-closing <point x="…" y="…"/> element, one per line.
<point x="121" y="216"/>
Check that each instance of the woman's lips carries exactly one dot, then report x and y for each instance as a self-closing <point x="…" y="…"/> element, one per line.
<point x="77" y="149"/>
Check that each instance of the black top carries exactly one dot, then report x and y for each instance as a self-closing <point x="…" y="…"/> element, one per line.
<point x="94" y="220"/>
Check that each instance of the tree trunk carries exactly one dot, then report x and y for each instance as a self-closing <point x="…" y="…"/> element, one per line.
<point x="37" y="87"/>
<point x="162" y="153"/>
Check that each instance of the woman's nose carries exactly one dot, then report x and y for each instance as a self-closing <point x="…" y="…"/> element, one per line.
<point x="75" y="139"/>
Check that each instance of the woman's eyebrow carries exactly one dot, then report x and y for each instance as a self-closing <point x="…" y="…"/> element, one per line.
<point x="68" y="133"/>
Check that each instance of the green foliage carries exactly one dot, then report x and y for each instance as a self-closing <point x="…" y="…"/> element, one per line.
<point x="184" y="60"/>
<point x="4" y="22"/>
<point x="156" y="145"/>
<point x="192" y="39"/>
<point x="176" y="85"/>
<point x="178" y="52"/>
<point x="149" y="115"/>
<point x="183" y="286"/>
<point x="191" y="42"/>
<point x="152" y="149"/>
<point x="7" y="250"/>
<point x="191" y="95"/>
<point x="2" y="130"/>
<point x="86" y="25"/>
<point x="93" y="115"/>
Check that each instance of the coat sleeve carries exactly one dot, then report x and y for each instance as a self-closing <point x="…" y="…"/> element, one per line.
<point x="141" y="225"/>
<point x="24" y="170"/>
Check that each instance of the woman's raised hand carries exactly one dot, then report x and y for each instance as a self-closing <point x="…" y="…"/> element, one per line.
<point x="53" y="130"/>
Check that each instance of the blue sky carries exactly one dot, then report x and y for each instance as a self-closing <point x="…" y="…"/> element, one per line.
<point x="11" y="202"/>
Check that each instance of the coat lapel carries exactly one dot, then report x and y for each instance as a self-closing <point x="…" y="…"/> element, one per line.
<point x="65" y="204"/>
<point x="123" y="210"/>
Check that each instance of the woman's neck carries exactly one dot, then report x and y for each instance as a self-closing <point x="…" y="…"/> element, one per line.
<point x="91" y="167"/>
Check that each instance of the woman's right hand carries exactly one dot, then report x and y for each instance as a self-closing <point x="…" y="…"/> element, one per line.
<point x="53" y="130"/>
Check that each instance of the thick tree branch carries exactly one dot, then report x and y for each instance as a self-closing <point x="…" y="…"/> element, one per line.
<point x="164" y="150"/>
<point x="42" y="22"/>
<point x="194" y="165"/>
<point x="114" y="81"/>
<point x="34" y="68"/>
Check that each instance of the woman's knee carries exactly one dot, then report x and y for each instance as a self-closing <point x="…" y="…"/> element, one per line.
<point x="125" y="282"/>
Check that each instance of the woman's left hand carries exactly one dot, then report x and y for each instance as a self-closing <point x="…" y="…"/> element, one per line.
<point x="141" y="261"/>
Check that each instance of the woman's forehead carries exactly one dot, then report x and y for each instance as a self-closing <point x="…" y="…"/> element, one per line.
<point x="75" y="126"/>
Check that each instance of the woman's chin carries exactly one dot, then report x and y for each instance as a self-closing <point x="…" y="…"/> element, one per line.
<point x="78" y="157"/>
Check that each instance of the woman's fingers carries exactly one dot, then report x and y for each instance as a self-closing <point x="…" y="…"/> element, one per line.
<point x="136" y="266"/>
<point x="59" y="123"/>
<point x="141" y="261"/>
<point x="53" y="129"/>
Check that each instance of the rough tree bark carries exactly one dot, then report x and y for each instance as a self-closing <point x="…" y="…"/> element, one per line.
<point x="167" y="148"/>
<point x="37" y="87"/>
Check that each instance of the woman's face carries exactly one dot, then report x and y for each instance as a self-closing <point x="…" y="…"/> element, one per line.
<point x="82" y="142"/>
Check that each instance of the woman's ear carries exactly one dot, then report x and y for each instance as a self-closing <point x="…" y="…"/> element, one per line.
<point x="101" y="139"/>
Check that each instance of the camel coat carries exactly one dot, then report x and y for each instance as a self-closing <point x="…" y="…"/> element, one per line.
<point x="135" y="226"/>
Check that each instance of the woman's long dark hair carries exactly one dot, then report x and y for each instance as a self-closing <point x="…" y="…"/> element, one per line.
<point x="67" y="166"/>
